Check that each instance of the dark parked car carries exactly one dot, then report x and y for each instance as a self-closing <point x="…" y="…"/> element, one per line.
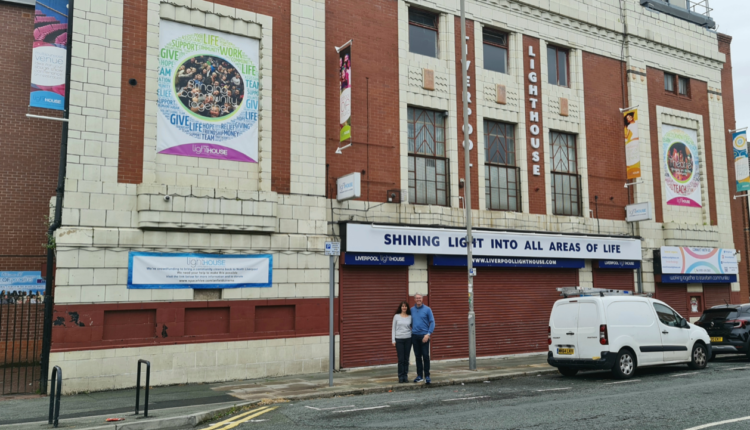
<point x="729" y="328"/>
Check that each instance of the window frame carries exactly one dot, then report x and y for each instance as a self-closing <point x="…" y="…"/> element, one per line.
<point x="557" y="64"/>
<point x="509" y="167"/>
<point x="673" y="79"/>
<point x="436" y="28"/>
<point x="568" y="173"/>
<point x="506" y="47"/>
<point x="412" y="196"/>
<point x="687" y="86"/>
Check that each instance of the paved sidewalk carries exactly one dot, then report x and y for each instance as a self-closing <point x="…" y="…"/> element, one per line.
<point x="187" y="406"/>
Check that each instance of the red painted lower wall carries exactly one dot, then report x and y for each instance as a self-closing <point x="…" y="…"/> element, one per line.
<point x="102" y="326"/>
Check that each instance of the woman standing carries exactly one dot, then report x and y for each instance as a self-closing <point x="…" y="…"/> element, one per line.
<point x="401" y="339"/>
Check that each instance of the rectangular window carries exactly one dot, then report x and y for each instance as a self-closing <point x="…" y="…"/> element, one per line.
<point x="566" y="182"/>
<point x="428" y="165"/>
<point x="501" y="176"/>
<point x="683" y="86"/>
<point x="557" y="66"/>
<point x="495" y="50"/>
<point x="423" y="32"/>
<point x="669" y="82"/>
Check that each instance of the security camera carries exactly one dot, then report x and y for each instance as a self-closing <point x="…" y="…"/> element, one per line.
<point x="167" y="198"/>
<point x="392" y="197"/>
<point x="446" y="114"/>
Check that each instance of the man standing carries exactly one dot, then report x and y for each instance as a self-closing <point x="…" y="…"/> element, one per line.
<point x="423" y="324"/>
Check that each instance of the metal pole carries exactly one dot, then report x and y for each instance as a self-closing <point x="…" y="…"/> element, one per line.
<point x="467" y="192"/>
<point x="331" y="340"/>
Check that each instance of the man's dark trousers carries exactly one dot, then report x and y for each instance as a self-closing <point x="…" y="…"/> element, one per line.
<point x="422" y="354"/>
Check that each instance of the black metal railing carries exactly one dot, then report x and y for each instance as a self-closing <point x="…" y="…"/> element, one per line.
<point x="54" y="396"/>
<point x="21" y="321"/>
<point x="138" y="387"/>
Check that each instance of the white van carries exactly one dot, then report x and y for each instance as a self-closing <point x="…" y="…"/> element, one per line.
<point x="621" y="332"/>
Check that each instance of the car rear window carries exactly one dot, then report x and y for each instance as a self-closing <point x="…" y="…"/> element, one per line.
<point x="719" y="314"/>
<point x="565" y="315"/>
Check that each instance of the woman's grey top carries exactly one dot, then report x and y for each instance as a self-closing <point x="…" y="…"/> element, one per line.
<point x="401" y="327"/>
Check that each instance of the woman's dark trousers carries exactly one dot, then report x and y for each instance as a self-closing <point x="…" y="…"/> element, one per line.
<point x="403" y="349"/>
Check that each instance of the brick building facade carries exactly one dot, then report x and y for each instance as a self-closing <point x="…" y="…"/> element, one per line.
<point x="285" y="204"/>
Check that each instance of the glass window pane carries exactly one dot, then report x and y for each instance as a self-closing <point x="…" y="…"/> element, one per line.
<point x="494" y="37"/>
<point x="552" y="65"/>
<point x="669" y="82"/>
<point x="562" y="68"/>
<point x="420" y="168"/>
<point x="683" y="86"/>
<point x="495" y="58"/>
<point x="422" y="41"/>
<point x="423" y="17"/>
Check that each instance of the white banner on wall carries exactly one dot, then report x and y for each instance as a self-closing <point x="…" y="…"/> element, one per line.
<point x="151" y="270"/>
<point x="397" y="240"/>
<point x="208" y="93"/>
<point x="681" y="166"/>
<point x="683" y="260"/>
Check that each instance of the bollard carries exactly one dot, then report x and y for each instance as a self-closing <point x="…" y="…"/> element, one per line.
<point x="54" y="398"/>
<point x="138" y="387"/>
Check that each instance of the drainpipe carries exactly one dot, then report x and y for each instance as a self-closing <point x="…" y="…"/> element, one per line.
<point x="57" y="220"/>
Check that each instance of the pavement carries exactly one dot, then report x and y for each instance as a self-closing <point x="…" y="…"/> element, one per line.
<point x="187" y="406"/>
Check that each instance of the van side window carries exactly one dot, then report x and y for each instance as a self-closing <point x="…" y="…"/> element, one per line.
<point x="666" y="315"/>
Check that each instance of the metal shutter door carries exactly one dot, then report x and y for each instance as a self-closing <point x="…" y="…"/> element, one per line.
<point x="673" y="295"/>
<point x="614" y="279"/>
<point x="449" y="301"/>
<point x="513" y="308"/>
<point x="369" y="298"/>
<point x="717" y="294"/>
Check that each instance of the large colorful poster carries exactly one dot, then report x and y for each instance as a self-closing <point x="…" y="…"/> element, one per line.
<point x="681" y="166"/>
<point x="681" y="260"/>
<point x="154" y="270"/>
<point x="345" y="97"/>
<point x="632" y="148"/>
<point x="208" y="93"/>
<point x="20" y="282"/>
<point x="741" y="168"/>
<point x="49" y="55"/>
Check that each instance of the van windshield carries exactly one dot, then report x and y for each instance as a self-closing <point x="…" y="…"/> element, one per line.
<point x="718" y="314"/>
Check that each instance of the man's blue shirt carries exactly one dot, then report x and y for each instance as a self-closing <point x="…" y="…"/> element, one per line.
<point x="422" y="321"/>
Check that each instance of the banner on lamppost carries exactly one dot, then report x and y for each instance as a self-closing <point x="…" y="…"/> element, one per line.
<point x="632" y="148"/>
<point x="681" y="166"/>
<point x="741" y="169"/>
<point x="345" y="97"/>
<point x="49" y="54"/>
<point x="208" y="93"/>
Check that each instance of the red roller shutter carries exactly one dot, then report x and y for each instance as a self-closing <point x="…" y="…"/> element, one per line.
<point x="717" y="294"/>
<point x="674" y="295"/>
<point x="614" y="279"/>
<point x="512" y="309"/>
<point x="369" y="298"/>
<point x="448" y="292"/>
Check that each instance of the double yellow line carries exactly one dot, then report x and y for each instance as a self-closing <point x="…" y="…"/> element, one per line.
<point x="239" y="419"/>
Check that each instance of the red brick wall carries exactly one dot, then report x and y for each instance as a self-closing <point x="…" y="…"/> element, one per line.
<point x="30" y="149"/>
<point x="130" y="166"/>
<point x="697" y="103"/>
<point x="537" y="199"/>
<point x="738" y="207"/>
<point x="82" y="327"/>
<point x="374" y="29"/>
<point x="473" y="89"/>
<point x="605" y="143"/>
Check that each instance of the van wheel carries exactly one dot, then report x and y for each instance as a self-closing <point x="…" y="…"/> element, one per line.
<point x="567" y="371"/>
<point x="624" y="367"/>
<point x="699" y="357"/>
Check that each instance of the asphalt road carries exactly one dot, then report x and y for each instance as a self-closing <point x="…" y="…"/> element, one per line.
<point x="672" y="397"/>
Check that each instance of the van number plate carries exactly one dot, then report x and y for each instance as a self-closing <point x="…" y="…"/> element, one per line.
<point x="717" y="339"/>
<point x="565" y="351"/>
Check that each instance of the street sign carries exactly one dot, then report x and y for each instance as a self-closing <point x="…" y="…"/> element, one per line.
<point x="333" y="248"/>
<point x="638" y="212"/>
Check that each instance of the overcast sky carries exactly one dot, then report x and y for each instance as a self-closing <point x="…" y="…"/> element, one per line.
<point x="731" y="16"/>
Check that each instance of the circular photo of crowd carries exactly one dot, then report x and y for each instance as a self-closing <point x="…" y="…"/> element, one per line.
<point x="209" y="86"/>
<point x="680" y="162"/>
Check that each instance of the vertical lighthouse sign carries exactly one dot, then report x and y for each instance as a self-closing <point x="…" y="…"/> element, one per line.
<point x="533" y="94"/>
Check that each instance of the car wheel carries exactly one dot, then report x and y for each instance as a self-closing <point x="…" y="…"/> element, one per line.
<point x="625" y="364"/>
<point x="567" y="371"/>
<point x="699" y="357"/>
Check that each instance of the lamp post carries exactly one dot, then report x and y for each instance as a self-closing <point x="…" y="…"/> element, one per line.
<point x="467" y="190"/>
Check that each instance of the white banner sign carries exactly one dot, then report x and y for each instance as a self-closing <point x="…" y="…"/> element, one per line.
<point x="148" y="270"/>
<point x="638" y="212"/>
<point x="680" y="260"/>
<point x="387" y="239"/>
<point x="208" y="93"/>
